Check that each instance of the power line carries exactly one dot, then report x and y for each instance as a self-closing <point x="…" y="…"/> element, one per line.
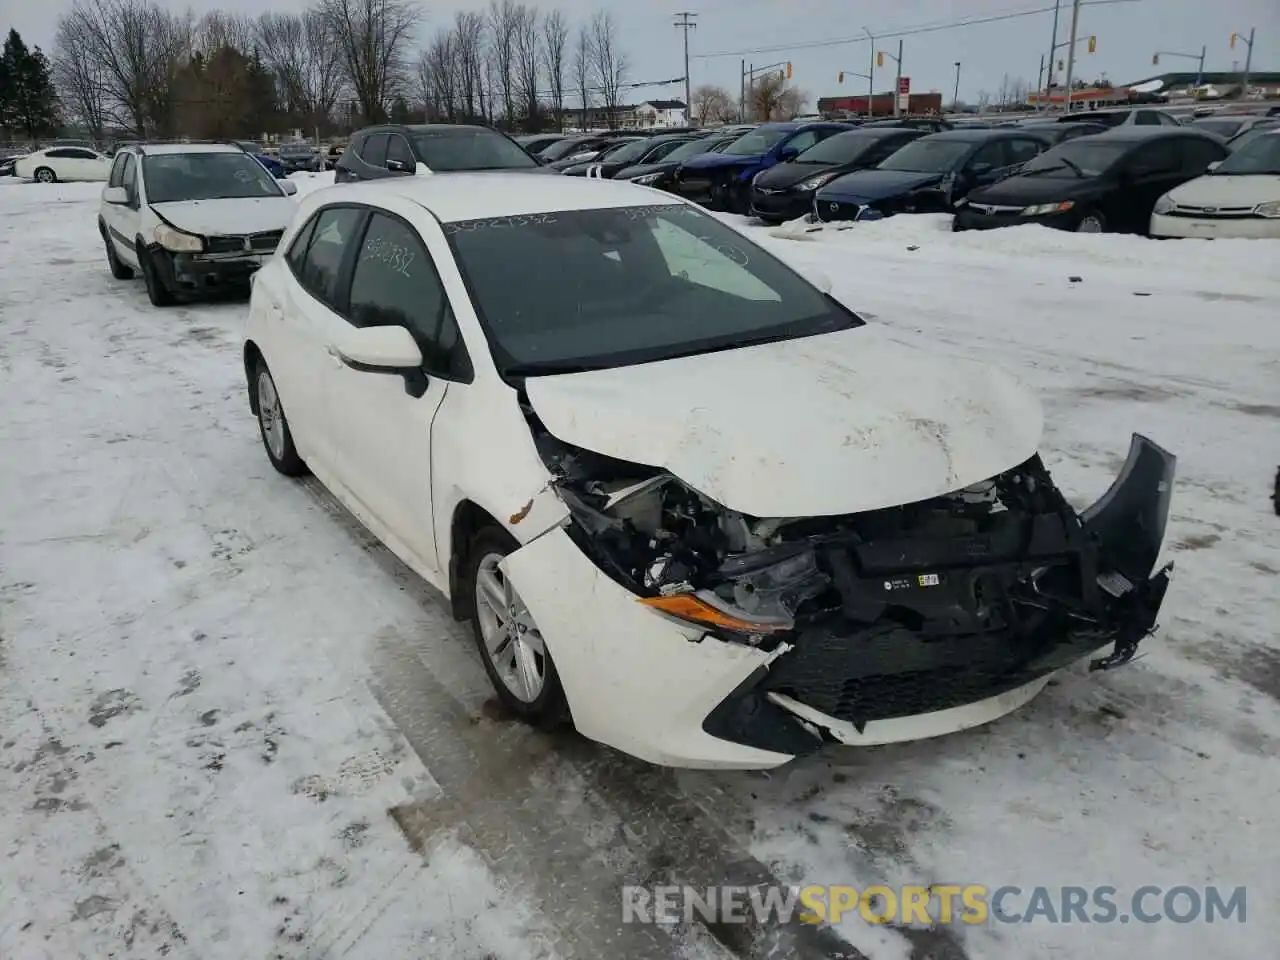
<point x="685" y="23"/>
<point x="896" y="34"/>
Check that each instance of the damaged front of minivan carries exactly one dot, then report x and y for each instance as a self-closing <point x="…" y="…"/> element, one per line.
<point x="697" y="616"/>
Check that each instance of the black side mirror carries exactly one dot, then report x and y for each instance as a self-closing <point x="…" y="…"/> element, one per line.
<point x="398" y="166"/>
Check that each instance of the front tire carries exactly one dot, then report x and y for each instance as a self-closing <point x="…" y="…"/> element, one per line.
<point x="119" y="269"/>
<point x="511" y="646"/>
<point x="1091" y="221"/>
<point x="277" y="438"/>
<point x="159" y="294"/>
<point x="45" y="175"/>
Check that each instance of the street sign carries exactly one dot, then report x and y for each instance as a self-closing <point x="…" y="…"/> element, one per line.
<point x="904" y="85"/>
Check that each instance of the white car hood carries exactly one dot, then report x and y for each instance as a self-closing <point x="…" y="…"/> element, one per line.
<point x="1228" y="190"/>
<point x="228" y="218"/>
<point x="832" y="424"/>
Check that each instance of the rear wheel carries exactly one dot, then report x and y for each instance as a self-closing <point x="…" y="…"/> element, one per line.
<point x="513" y="650"/>
<point x="274" y="426"/>
<point x="45" y="175"/>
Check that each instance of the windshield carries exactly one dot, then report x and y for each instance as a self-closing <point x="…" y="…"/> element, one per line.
<point x="1252" y="134"/>
<point x="631" y="151"/>
<point x="1260" y="156"/>
<point x="1085" y="157"/>
<point x="469" y="148"/>
<point x="754" y="143"/>
<point x="842" y="148"/>
<point x="603" y="288"/>
<point x="929" y="156"/>
<point x="561" y="149"/>
<point x="206" y="176"/>
<point x="1223" y="128"/>
<point x="692" y="149"/>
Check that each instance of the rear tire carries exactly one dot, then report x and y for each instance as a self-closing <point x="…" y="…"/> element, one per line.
<point x="277" y="438"/>
<point x="45" y="175"/>
<point x="546" y="708"/>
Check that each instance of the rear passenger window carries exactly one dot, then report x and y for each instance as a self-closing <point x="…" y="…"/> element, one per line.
<point x="333" y="232"/>
<point x="395" y="284"/>
<point x="298" y="250"/>
<point x="1020" y="151"/>
<point x="374" y="149"/>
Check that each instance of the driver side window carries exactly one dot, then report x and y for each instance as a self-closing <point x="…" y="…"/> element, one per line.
<point x="988" y="157"/>
<point x="1155" y="159"/>
<point x="395" y="284"/>
<point x="719" y="267"/>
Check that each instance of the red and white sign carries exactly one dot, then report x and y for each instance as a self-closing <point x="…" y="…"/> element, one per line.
<point x="904" y="85"/>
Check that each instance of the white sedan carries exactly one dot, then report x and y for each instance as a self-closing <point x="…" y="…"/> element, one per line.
<point x="690" y="502"/>
<point x="1238" y="197"/>
<point x="63" y="163"/>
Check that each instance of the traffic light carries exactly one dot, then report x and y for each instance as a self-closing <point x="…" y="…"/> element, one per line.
<point x="840" y="78"/>
<point x="788" y="69"/>
<point x="1155" y="58"/>
<point x="1093" y="44"/>
<point x="879" y="58"/>
<point x="1233" y="41"/>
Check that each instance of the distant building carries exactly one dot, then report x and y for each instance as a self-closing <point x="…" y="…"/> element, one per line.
<point x="641" y="116"/>
<point x="881" y="104"/>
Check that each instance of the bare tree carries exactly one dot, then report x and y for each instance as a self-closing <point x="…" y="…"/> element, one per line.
<point x="218" y="28"/>
<point x="608" y="62"/>
<point x="582" y="60"/>
<point x="503" y="24"/>
<point x="769" y="98"/>
<point x="373" y="37"/>
<point x="439" y="76"/>
<point x="711" y="103"/>
<point x="305" y="60"/>
<point x="80" y="78"/>
<point x="468" y="39"/>
<point x="527" y="63"/>
<point x="555" y="37"/>
<point x="135" y="49"/>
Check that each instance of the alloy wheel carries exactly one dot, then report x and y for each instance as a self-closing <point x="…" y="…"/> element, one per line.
<point x="512" y="641"/>
<point x="270" y="415"/>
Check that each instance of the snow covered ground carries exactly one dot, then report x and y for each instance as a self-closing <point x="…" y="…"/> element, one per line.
<point x="232" y="726"/>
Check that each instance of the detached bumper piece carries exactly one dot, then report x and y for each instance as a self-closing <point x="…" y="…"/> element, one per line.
<point x="932" y="621"/>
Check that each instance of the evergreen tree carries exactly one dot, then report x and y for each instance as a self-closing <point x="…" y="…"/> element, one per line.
<point x="29" y="101"/>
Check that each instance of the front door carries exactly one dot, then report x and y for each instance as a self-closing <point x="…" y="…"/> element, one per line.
<point x="124" y="220"/>
<point x="382" y="423"/>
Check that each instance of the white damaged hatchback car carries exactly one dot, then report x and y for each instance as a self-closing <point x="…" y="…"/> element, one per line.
<point x="691" y="503"/>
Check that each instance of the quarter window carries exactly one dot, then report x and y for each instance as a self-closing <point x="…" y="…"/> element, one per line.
<point x="298" y="250"/>
<point x="129" y="178"/>
<point x="117" y="171"/>
<point x="395" y="284"/>
<point x="335" y="229"/>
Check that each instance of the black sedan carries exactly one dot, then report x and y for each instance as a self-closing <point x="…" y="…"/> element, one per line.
<point x="535" y="143"/>
<point x="395" y="150"/>
<point x="785" y="192"/>
<point x="572" y="146"/>
<point x="598" y="151"/>
<point x="648" y="150"/>
<point x="661" y="173"/>
<point x="928" y="175"/>
<point x="1108" y="182"/>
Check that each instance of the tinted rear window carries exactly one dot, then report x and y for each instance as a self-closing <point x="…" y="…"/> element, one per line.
<point x="454" y="148"/>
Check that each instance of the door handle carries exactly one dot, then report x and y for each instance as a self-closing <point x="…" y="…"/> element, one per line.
<point x="334" y="356"/>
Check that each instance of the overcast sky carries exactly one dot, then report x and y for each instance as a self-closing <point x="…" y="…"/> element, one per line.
<point x="771" y="30"/>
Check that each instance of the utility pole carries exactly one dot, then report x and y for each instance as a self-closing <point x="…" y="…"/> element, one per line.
<point x="871" y="71"/>
<point x="1039" y="77"/>
<point x="897" y="83"/>
<point x="1071" y="49"/>
<point x="685" y="23"/>
<point x="1248" y="60"/>
<point x="955" y="101"/>
<point x="742" y="93"/>
<point x="1200" y="73"/>
<point x="1053" y="46"/>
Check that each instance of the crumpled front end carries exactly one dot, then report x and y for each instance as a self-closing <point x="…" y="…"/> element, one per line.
<point x="891" y="624"/>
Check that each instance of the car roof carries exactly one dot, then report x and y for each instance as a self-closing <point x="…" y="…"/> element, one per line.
<point x="978" y="134"/>
<point x="452" y="197"/>
<point x="153" y="149"/>
<point x="1135" y="133"/>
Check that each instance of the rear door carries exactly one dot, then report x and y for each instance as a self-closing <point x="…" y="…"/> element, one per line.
<point x="308" y="316"/>
<point x="1153" y="170"/>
